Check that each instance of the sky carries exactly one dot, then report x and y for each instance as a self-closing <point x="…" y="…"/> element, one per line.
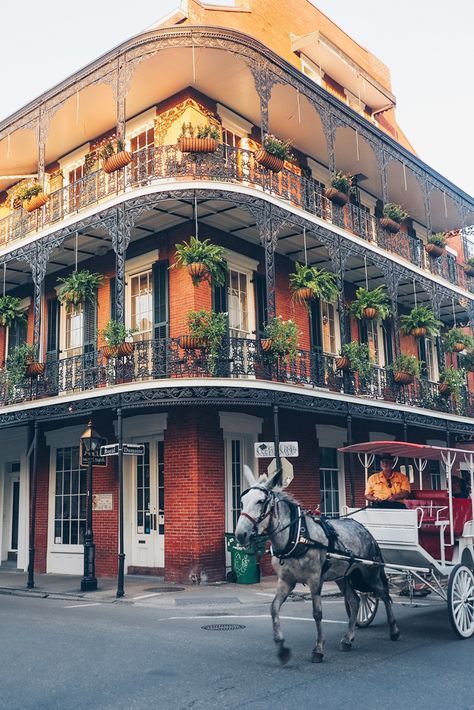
<point x="427" y="45"/>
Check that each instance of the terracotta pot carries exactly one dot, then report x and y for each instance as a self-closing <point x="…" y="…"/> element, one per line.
<point x="458" y="347"/>
<point x="303" y="294"/>
<point x="468" y="269"/>
<point x="108" y="351"/>
<point x="336" y="196"/>
<point x="434" y="250"/>
<point x="269" y="161"/>
<point x="370" y="313"/>
<point x="197" y="145"/>
<point x="267" y="344"/>
<point x="343" y="363"/>
<point x="390" y="225"/>
<point x="33" y="369"/>
<point x="418" y="332"/>
<point x="197" y="270"/>
<point x="403" y="378"/>
<point x="116" y="161"/>
<point x="444" y="389"/>
<point x="189" y="342"/>
<point x="125" y="348"/>
<point x="35" y="202"/>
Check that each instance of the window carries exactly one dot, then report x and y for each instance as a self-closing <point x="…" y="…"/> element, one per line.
<point x="236" y="472"/>
<point x="17" y="333"/>
<point x="310" y="69"/>
<point x="74" y="328"/>
<point x="431" y="360"/>
<point x="143" y="492"/>
<point x="141" y="294"/>
<point x="70" y="498"/>
<point x="435" y="475"/>
<point x="238" y="303"/>
<point x="328" y="327"/>
<point x="329" y="482"/>
<point x="75" y="182"/>
<point x="142" y="147"/>
<point x="230" y="138"/>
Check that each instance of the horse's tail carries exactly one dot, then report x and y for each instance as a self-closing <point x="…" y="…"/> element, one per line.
<point x="378" y="557"/>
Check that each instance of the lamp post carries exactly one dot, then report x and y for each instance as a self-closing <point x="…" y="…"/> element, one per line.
<point x="90" y="443"/>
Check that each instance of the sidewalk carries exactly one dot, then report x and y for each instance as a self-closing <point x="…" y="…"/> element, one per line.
<point x="137" y="587"/>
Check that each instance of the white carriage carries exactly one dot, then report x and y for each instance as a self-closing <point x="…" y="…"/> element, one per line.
<point x="431" y="541"/>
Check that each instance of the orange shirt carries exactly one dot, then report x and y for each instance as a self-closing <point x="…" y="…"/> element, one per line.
<point x="379" y="487"/>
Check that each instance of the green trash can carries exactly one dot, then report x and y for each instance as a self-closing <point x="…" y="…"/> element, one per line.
<point x="245" y="561"/>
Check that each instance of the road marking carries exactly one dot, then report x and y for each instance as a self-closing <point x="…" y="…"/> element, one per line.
<point x="77" y="606"/>
<point x="253" y="616"/>
<point x="264" y="594"/>
<point x="147" y="596"/>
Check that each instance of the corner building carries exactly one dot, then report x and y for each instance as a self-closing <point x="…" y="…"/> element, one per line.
<point x="260" y="67"/>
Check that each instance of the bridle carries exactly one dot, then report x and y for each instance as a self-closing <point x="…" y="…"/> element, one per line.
<point x="267" y="508"/>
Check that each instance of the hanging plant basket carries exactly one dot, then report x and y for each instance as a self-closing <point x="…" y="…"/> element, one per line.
<point x="458" y="347"/>
<point x="343" y="363"/>
<point x="336" y="196"/>
<point x="370" y="313"/>
<point x="109" y="351"/>
<point x="434" y="250"/>
<point x="303" y="294"/>
<point x="269" y="161"/>
<point x="33" y="369"/>
<point x="390" y="225"/>
<point x="468" y="269"/>
<point x="403" y="378"/>
<point x="418" y="332"/>
<point x="116" y="161"/>
<point x="197" y="145"/>
<point x="266" y="344"/>
<point x="125" y="349"/>
<point x="35" y="202"/>
<point x="444" y="389"/>
<point x="197" y="270"/>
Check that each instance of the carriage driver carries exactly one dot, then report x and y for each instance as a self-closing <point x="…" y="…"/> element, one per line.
<point x="388" y="488"/>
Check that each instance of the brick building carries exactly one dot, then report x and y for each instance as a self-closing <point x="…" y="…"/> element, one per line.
<point x="247" y="71"/>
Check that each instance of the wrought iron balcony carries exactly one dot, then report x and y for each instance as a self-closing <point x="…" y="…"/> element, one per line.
<point x="235" y="359"/>
<point x="234" y="165"/>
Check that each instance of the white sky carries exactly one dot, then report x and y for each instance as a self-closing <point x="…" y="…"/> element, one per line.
<point x="427" y="45"/>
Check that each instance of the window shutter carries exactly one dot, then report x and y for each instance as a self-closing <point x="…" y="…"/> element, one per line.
<point x="90" y="327"/>
<point x="363" y="337"/>
<point x="316" y="330"/>
<point x="160" y="300"/>
<point x="52" y="335"/>
<point x="261" y="303"/>
<point x="387" y="342"/>
<point x="219" y="298"/>
<point x="113" y="307"/>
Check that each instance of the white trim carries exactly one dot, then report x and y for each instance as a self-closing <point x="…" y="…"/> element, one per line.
<point x="233" y="122"/>
<point x="330" y="436"/>
<point x="139" y="124"/>
<point x="241" y="262"/>
<point x="144" y="425"/>
<point x="67" y="436"/>
<point x="234" y="422"/>
<point x="73" y="160"/>
<point x="319" y="172"/>
<point x="141" y="263"/>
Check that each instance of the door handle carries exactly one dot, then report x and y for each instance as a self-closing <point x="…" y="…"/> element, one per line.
<point x="154" y="521"/>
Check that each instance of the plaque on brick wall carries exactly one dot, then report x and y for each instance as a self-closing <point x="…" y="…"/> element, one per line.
<point x="102" y="501"/>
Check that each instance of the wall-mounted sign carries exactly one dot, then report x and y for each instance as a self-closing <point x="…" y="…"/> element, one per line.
<point x="102" y="501"/>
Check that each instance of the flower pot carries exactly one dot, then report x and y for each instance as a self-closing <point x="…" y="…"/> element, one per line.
<point x="35" y="202"/>
<point x="303" y="294"/>
<point x="116" y="161"/>
<point x="343" y="363"/>
<point x="266" y="344"/>
<point x="33" y="369"/>
<point x="125" y="348"/>
<point x="191" y="342"/>
<point x="197" y="145"/>
<point x="458" y="347"/>
<point x="336" y="196"/>
<point x="403" y="378"/>
<point x="444" y="389"/>
<point x="269" y="161"/>
<point x="370" y="313"/>
<point x="434" y="250"/>
<point x="390" y="225"/>
<point x="109" y="351"/>
<point x="418" y="332"/>
<point x="468" y="269"/>
<point x="197" y="270"/>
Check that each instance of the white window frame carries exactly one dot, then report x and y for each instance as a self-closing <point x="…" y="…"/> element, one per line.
<point x="133" y="267"/>
<point x="311" y="70"/>
<point x="334" y="437"/>
<point x="247" y="266"/>
<point x="233" y="122"/>
<point x="337" y="329"/>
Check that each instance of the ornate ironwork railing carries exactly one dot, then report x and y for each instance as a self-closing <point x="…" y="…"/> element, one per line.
<point x="236" y="358"/>
<point x="153" y="164"/>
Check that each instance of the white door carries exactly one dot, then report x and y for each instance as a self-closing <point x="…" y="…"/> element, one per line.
<point x="148" y="516"/>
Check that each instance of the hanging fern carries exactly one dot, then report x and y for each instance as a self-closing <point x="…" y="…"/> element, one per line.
<point x="79" y="287"/>
<point x="11" y="311"/>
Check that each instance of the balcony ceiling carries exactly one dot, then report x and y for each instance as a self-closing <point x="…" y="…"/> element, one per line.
<point x="18" y="156"/>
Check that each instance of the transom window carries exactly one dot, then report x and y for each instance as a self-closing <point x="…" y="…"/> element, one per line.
<point x="141" y="290"/>
<point x="69" y="498"/>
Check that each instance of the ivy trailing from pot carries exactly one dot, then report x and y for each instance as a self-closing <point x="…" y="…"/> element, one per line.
<point x="370" y="304"/>
<point x="467" y="361"/>
<point x="451" y="382"/>
<point x="116" y="337"/>
<point x="419" y="322"/>
<point x="455" y="341"/>
<point x="22" y="362"/>
<point x="308" y="282"/>
<point x="405" y="368"/>
<point x="11" y="311"/>
<point x="280" y="339"/>
<point x="79" y="287"/>
<point x="204" y="261"/>
<point x="208" y="328"/>
<point x="469" y="266"/>
<point x="356" y="358"/>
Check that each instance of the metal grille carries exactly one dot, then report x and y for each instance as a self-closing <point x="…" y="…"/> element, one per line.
<point x="223" y="627"/>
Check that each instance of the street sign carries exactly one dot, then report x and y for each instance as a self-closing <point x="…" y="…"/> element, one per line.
<point x="266" y="449"/>
<point x="97" y="460"/>
<point x="127" y="450"/>
<point x="287" y="473"/>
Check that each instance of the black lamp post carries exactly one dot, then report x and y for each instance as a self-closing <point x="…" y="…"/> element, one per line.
<point x="90" y="443"/>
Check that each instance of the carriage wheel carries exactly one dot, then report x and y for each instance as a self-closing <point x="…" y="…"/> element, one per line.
<point x="461" y="601"/>
<point x="367" y="609"/>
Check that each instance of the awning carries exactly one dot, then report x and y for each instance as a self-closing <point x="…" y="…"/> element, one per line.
<point x="404" y="449"/>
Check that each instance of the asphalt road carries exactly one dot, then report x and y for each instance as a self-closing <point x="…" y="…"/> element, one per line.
<point x="69" y="654"/>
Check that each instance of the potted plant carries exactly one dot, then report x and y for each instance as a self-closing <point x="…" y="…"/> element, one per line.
<point x="469" y="266"/>
<point x="455" y="340"/>
<point x="370" y="304"/>
<point x="280" y="338"/>
<point x="393" y="215"/>
<point x="208" y="328"/>
<point x="308" y="282"/>
<point x="340" y="188"/>
<point x="198" y="139"/>
<point x="21" y="363"/>
<point x="203" y="261"/>
<point x="419" y="322"/>
<point x="79" y="287"/>
<point x="273" y="153"/>
<point x="11" y="311"/>
<point x="468" y="361"/>
<point x="405" y="368"/>
<point x="356" y="357"/>
<point x="113" y="153"/>
<point x="436" y="245"/>
<point x="115" y="335"/>
<point x="451" y="381"/>
<point x="31" y="194"/>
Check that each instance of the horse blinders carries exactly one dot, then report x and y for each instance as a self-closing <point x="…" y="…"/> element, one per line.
<point x="267" y="509"/>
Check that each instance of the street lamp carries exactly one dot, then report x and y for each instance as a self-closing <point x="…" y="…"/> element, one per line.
<point x="90" y="443"/>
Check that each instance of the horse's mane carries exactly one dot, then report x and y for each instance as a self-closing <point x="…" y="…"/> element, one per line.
<point x="284" y="495"/>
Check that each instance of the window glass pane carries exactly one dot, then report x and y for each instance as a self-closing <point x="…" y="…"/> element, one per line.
<point x="141" y="304"/>
<point x="329" y="482"/>
<point x="70" y="499"/>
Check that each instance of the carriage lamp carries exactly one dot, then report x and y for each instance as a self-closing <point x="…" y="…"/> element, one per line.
<point x="90" y="443"/>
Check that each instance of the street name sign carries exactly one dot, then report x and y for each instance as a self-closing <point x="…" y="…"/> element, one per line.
<point x="287" y="472"/>
<point x="266" y="449"/>
<point x="98" y="458"/>
<point x="127" y="450"/>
